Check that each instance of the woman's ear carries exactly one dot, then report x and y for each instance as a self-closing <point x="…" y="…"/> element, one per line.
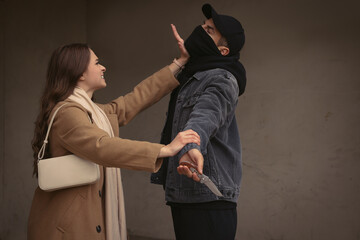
<point x="224" y="50"/>
<point x="82" y="78"/>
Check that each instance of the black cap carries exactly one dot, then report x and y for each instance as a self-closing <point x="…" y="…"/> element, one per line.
<point x="229" y="27"/>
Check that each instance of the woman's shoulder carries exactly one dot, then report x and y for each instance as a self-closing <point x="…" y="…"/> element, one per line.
<point x="68" y="108"/>
<point x="68" y="104"/>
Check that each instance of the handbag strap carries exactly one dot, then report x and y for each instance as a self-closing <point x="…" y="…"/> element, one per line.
<point x="43" y="147"/>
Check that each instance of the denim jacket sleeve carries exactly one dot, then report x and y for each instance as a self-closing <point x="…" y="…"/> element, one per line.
<point x="216" y="102"/>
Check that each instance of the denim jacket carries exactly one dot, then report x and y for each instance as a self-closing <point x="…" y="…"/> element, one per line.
<point x="206" y="104"/>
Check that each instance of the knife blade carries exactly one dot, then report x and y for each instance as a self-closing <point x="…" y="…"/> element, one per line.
<point x="203" y="179"/>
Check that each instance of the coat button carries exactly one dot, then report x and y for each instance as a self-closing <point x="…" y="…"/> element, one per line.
<point x="98" y="228"/>
<point x="100" y="194"/>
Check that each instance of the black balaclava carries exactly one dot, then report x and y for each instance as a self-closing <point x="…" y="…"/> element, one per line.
<point x="205" y="55"/>
<point x="200" y="44"/>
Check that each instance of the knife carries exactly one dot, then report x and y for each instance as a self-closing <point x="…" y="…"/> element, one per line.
<point x="203" y="178"/>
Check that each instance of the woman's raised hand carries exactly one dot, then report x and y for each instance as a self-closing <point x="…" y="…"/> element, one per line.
<point x="183" y="138"/>
<point x="184" y="55"/>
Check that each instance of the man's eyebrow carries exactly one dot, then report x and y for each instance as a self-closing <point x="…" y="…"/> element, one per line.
<point x="208" y="26"/>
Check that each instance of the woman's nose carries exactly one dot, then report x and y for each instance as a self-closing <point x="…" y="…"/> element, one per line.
<point x="103" y="68"/>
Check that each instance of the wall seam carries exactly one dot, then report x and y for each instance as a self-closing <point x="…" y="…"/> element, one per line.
<point x="86" y="22"/>
<point x="3" y="99"/>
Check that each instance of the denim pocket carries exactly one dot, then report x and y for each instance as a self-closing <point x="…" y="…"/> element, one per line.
<point x="186" y="109"/>
<point x="191" y="101"/>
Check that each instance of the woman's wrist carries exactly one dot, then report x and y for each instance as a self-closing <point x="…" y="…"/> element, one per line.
<point x="182" y="60"/>
<point x="178" y="64"/>
<point x="164" y="152"/>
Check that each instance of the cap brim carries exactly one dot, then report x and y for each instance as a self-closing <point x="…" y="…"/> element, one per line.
<point x="208" y="11"/>
<point x="228" y="26"/>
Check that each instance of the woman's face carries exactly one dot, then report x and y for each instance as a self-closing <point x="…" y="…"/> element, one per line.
<point x="93" y="78"/>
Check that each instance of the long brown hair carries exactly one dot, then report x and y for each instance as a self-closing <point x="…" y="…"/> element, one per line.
<point x="65" y="67"/>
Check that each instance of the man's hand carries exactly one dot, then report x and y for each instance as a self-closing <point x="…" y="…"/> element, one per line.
<point x="194" y="157"/>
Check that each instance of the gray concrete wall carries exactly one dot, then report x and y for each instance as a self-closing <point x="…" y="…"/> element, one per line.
<point x="31" y="30"/>
<point x="298" y="118"/>
<point x="2" y="100"/>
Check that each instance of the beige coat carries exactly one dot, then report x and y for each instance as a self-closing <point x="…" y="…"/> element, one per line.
<point x="78" y="213"/>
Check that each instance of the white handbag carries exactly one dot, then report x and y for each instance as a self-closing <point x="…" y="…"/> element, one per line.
<point x="65" y="171"/>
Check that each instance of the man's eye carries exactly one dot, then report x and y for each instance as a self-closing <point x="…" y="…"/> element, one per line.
<point x="209" y="30"/>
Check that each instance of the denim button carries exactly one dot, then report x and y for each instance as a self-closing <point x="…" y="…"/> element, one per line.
<point x="98" y="228"/>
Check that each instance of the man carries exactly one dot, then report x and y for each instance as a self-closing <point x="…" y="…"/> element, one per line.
<point x="205" y="101"/>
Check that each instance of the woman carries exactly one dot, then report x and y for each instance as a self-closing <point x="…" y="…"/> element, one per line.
<point x="94" y="211"/>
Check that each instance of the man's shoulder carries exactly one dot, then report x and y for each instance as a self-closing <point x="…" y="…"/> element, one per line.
<point x="220" y="79"/>
<point x="214" y="73"/>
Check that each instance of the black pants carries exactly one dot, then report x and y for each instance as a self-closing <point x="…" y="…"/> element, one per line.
<point x="204" y="224"/>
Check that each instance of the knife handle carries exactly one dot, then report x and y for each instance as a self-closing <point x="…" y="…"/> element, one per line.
<point x="193" y="170"/>
<point x="188" y="164"/>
